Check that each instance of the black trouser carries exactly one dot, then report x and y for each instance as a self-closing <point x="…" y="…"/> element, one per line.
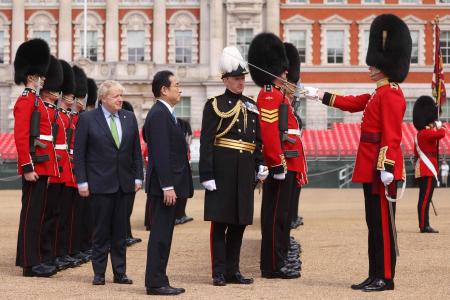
<point x="148" y="213"/>
<point x="426" y="189"/>
<point x="381" y="247"/>
<point x="225" y="243"/>
<point x="295" y="201"/>
<point x="159" y="243"/>
<point x="86" y="225"/>
<point x="275" y="225"/>
<point x="81" y="228"/>
<point x="109" y="212"/>
<point x="64" y="226"/>
<point x="180" y="208"/>
<point x="51" y="216"/>
<point x="129" y="212"/>
<point x="34" y="198"/>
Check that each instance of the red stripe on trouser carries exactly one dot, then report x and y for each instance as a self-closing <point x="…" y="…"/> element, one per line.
<point x="211" y="232"/>
<point x="424" y="203"/>
<point x="42" y="221"/>
<point x="386" y="233"/>
<point x="25" y="258"/>
<point x="274" y="264"/>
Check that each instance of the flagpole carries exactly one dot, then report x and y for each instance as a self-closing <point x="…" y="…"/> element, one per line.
<point x="85" y="29"/>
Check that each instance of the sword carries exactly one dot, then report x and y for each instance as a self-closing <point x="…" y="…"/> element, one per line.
<point x="391" y="213"/>
<point x="434" y="208"/>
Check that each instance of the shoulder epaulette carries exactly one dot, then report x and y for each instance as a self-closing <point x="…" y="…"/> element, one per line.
<point x="394" y="85"/>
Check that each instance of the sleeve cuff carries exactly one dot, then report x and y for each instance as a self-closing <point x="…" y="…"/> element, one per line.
<point x="384" y="164"/>
<point x="168" y="188"/>
<point x="138" y="182"/>
<point x="83" y="185"/>
<point x="277" y="169"/>
<point x="206" y="176"/>
<point x="328" y="99"/>
<point x="27" y="168"/>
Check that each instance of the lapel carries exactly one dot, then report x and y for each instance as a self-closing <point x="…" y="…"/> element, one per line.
<point x="101" y="120"/>
<point x="167" y="110"/>
<point x="124" y="124"/>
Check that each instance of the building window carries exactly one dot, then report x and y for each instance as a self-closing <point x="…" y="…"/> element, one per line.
<point x="445" y="46"/>
<point x="335" y="46"/>
<point x="2" y="48"/>
<point x="335" y="1"/>
<point x="296" y="1"/>
<point x="136" y="45"/>
<point x="372" y="1"/>
<point x="183" y="109"/>
<point x="409" y="1"/>
<point x="183" y="46"/>
<point x="243" y="39"/>
<point x="444" y="1"/>
<point x="45" y="35"/>
<point x="415" y="46"/>
<point x="298" y="39"/>
<point x="91" y="45"/>
<point x="334" y="116"/>
<point x="409" y="109"/>
<point x="445" y="114"/>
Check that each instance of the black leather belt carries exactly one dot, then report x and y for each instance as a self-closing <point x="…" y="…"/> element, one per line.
<point x="290" y="153"/>
<point x="370" y="137"/>
<point x="40" y="158"/>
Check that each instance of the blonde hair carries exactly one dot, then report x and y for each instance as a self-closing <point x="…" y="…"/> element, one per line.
<point x="104" y="88"/>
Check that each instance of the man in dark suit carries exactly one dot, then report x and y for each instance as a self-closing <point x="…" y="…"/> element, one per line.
<point x="169" y="178"/>
<point x="108" y="167"/>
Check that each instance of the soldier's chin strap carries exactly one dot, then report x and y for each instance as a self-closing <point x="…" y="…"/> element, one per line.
<point x="389" y="198"/>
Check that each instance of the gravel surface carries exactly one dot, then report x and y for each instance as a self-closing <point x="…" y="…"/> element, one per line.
<point x="334" y="242"/>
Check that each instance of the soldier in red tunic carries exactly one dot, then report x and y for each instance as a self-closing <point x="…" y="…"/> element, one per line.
<point x="379" y="162"/>
<point x="430" y="131"/>
<point x="36" y="154"/>
<point x="281" y="143"/>
<point x="50" y="94"/>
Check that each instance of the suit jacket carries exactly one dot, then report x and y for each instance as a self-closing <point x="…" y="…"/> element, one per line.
<point x="168" y="163"/>
<point x="99" y="161"/>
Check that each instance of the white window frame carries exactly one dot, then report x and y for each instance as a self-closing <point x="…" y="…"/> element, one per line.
<point x="439" y="3"/>
<point x="300" y="23"/>
<point x="363" y="25"/>
<point x="327" y="2"/>
<point x="183" y="20"/>
<point x="299" y="3"/>
<point x="244" y="55"/>
<point x="43" y="21"/>
<point x="402" y="2"/>
<point x="94" y="23"/>
<point x="5" y="26"/>
<point x="416" y="24"/>
<point x="180" y="107"/>
<point x="371" y="3"/>
<point x="444" y="25"/>
<point x="333" y="23"/>
<point x="135" y="21"/>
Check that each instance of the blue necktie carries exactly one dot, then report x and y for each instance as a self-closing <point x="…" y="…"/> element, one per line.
<point x="174" y="117"/>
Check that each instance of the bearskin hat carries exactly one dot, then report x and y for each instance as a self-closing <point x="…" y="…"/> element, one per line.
<point x="390" y="47"/>
<point x="127" y="106"/>
<point x="81" y="86"/>
<point x="425" y="111"/>
<point x="266" y="52"/>
<point x="293" y="75"/>
<point x="54" y="77"/>
<point x="68" y="86"/>
<point x="32" y="58"/>
<point x="92" y="92"/>
<point x="231" y="63"/>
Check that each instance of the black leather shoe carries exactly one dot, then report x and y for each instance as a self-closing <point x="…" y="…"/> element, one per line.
<point x="122" y="279"/>
<point x="72" y="261"/>
<point x="219" y="280"/>
<point x="163" y="291"/>
<point x="379" y="285"/>
<point x="238" y="278"/>
<point x="283" y="273"/>
<point x="99" y="279"/>
<point x="181" y="290"/>
<point x="40" y="270"/>
<point x="61" y="264"/>
<point x="297" y="267"/>
<point x="428" y="229"/>
<point x="81" y="256"/>
<point x="361" y="285"/>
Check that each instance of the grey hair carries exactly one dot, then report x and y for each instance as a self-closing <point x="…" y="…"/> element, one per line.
<point x="104" y="88"/>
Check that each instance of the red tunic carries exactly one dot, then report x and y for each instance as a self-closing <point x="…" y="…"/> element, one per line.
<point x="427" y="139"/>
<point x="23" y="110"/>
<point x="62" y="154"/>
<point x="381" y="130"/>
<point x="269" y="100"/>
<point x="65" y="117"/>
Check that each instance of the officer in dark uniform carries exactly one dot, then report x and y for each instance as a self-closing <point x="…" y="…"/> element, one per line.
<point x="281" y="143"/>
<point x="36" y="154"/>
<point x="230" y="163"/>
<point x="379" y="161"/>
<point x="50" y="95"/>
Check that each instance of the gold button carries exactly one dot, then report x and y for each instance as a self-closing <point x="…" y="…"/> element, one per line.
<point x="253" y="130"/>
<point x="237" y="120"/>
<point x="253" y="121"/>
<point x="240" y="151"/>
<point x="239" y="130"/>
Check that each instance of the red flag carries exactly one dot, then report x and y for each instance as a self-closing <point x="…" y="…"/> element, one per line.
<point x="438" y="85"/>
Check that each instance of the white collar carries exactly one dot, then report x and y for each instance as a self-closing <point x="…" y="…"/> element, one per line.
<point x="107" y="113"/>
<point x="169" y="107"/>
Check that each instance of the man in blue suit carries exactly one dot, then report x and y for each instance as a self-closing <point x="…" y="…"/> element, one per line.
<point x="169" y="178"/>
<point x="108" y="168"/>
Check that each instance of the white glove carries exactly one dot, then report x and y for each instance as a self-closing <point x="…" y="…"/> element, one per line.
<point x="210" y="185"/>
<point x="386" y="177"/>
<point x="263" y="172"/>
<point x="438" y="124"/>
<point x="311" y="93"/>
<point x="280" y="176"/>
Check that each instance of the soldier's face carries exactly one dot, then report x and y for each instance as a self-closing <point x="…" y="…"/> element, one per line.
<point x="375" y="74"/>
<point x="113" y="100"/>
<point x="236" y="84"/>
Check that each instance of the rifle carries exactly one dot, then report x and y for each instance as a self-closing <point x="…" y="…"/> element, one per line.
<point x="55" y="126"/>
<point x="35" y="123"/>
